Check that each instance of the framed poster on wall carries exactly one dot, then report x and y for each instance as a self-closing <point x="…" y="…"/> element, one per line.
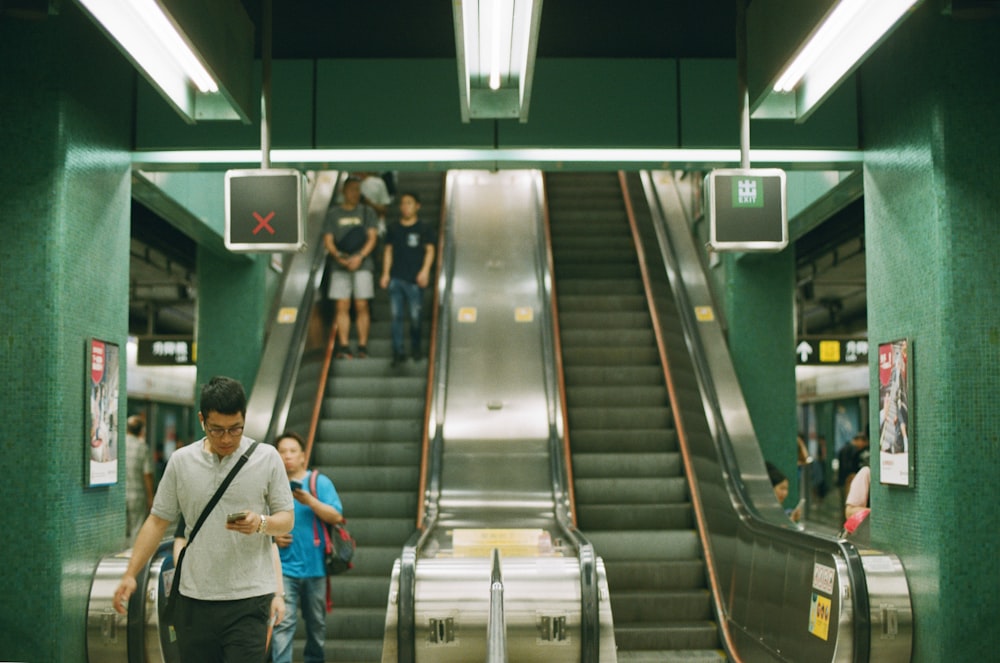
<point x="101" y="445"/>
<point x="895" y="395"/>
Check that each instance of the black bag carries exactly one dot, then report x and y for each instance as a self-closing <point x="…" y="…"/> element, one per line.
<point x="338" y="544"/>
<point x="353" y="241"/>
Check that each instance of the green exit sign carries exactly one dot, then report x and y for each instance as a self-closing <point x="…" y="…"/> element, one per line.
<point x="747" y="210"/>
<point x="748" y="192"/>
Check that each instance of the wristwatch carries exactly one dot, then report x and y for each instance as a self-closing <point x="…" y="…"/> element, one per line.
<point x="262" y="527"/>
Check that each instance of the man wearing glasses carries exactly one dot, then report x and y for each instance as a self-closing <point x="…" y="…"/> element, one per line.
<point x="228" y="581"/>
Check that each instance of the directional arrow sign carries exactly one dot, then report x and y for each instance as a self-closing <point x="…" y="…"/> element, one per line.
<point x="803" y="350"/>
<point x="832" y="351"/>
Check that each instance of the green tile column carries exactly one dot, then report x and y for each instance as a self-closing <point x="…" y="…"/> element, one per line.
<point x="932" y="205"/>
<point x="232" y="305"/>
<point x="759" y="296"/>
<point x="65" y="132"/>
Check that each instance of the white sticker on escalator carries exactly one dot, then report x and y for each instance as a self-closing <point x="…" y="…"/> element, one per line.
<point x="287" y="315"/>
<point x="524" y="314"/>
<point x="823" y="577"/>
<point x="467" y="314"/>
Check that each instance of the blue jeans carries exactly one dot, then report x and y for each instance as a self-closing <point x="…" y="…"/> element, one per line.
<point x="405" y="297"/>
<point x="310" y="595"/>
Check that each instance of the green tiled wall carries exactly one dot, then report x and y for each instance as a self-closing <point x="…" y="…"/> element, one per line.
<point x="231" y="310"/>
<point x="932" y="206"/>
<point x="65" y="129"/>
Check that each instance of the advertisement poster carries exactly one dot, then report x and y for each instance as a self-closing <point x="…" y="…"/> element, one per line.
<point x="895" y="436"/>
<point x="102" y="413"/>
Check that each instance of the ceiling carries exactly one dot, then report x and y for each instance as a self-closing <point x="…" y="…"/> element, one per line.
<point x="830" y="258"/>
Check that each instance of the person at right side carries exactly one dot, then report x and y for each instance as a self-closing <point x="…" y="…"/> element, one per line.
<point x="406" y="268"/>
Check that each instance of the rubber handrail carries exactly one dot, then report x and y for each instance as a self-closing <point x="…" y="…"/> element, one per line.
<point x="324" y="376"/>
<point x="425" y="439"/>
<point x="560" y="371"/>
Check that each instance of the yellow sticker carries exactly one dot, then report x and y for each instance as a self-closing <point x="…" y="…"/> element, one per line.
<point x="287" y="315"/>
<point x="510" y="542"/>
<point x="467" y="314"/>
<point x="819" y="616"/>
<point x="524" y="314"/>
<point x="829" y="352"/>
<point x="704" y="313"/>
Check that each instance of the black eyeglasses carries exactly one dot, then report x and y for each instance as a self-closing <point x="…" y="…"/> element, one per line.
<point x="233" y="431"/>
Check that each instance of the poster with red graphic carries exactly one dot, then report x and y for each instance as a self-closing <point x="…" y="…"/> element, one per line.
<point x="101" y="446"/>
<point x="895" y="433"/>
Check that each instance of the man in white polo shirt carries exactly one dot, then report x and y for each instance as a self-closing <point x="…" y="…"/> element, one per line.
<point x="227" y="582"/>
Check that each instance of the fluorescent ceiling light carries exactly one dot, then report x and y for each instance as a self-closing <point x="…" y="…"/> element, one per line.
<point x="495" y="42"/>
<point x="158" y="47"/>
<point x="452" y="158"/>
<point x="843" y="39"/>
<point x="848" y="34"/>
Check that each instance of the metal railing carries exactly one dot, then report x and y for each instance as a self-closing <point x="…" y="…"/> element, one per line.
<point x="496" y="631"/>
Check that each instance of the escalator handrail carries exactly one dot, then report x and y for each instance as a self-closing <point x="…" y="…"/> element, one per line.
<point x="749" y="516"/>
<point x="558" y="357"/>
<point x="324" y="376"/>
<point x="426" y="437"/>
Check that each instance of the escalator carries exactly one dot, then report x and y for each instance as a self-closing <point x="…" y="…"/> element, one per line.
<point x="632" y="499"/>
<point x="669" y="484"/>
<point x="368" y="442"/>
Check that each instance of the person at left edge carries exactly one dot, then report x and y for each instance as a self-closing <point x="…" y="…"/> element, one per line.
<point x="228" y="578"/>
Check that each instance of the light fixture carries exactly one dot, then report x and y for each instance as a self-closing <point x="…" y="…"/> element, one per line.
<point x="849" y="32"/>
<point x="154" y="39"/>
<point x="495" y="42"/>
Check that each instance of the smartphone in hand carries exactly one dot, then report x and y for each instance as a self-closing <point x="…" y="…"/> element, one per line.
<point x="239" y="515"/>
<point x="296" y="485"/>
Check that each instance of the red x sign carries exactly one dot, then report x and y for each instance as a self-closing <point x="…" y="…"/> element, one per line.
<point x="263" y="222"/>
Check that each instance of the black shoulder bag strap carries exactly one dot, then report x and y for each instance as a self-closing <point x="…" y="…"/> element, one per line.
<point x="175" y="584"/>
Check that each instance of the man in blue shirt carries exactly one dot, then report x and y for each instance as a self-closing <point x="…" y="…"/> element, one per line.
<point x="302" y="568"/>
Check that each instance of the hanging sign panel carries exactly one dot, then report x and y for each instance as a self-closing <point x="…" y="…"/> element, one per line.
<point x="747" y="209"/>
<point x="264" y="210"/>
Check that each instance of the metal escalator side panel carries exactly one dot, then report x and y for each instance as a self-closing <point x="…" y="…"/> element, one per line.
<point x="269" y="399"/>
<point x="495" y="396"/>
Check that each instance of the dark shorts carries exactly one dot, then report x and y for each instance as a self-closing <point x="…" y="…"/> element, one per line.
<point x="223" y="631"/>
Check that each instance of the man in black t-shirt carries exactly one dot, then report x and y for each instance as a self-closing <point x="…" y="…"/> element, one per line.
<point x="406" y="267"/>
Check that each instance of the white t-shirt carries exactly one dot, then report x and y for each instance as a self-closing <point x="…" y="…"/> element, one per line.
<point x="858" y="494"/>
<point x="222" y="565"/>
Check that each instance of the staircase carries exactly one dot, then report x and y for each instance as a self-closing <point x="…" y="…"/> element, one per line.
<point x="632" y="497"/>
<point x="368" y="443"/>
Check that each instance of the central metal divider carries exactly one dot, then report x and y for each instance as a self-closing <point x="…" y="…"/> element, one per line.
<point x="496" y="476"/>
